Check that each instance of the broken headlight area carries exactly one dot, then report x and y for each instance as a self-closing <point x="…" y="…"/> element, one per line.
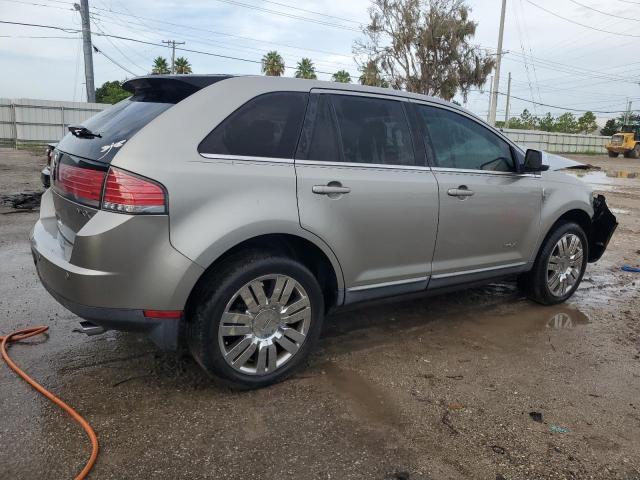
<point x="603" y="224"/>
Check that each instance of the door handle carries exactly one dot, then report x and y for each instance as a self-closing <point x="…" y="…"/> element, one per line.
<point x="461" y="191"/>
<point x="330" y="189"/>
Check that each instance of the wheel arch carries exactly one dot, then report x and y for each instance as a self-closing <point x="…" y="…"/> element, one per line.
<point x="575" y="215"/>
<point x="322" y="263"/>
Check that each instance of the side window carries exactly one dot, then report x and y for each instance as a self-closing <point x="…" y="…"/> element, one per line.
<point x="266" y="126"/>
<point x="319" y="138"/>
<point x="373" y="130"/>
<point x="459" y="142"/>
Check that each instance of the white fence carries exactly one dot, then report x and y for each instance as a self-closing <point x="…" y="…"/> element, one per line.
<point x="558" y="142"/>
<point x="26" y="121"/>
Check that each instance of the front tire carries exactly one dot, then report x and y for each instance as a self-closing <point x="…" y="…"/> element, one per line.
<point x="255" y="319"/>
<point x="559" y="266"/>
<point x="612" y="154"/>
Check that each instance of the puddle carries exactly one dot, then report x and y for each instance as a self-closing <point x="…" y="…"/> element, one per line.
<point x="603" y="179"/>
<point x="367" y="400"/>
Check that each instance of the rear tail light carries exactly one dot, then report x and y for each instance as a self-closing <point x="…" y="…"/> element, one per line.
<point x="128" y="193"/>
<point x="82" y="185"/>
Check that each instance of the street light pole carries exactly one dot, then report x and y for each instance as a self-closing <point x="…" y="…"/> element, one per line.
<point x="506" y="113"/>
<point x="87" y="48"/>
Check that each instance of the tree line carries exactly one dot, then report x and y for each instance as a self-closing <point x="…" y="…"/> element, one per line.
<point x="564" y="123"/>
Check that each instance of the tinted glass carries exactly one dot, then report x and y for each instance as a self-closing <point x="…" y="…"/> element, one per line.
<point x="319" y="138"/>
<point x="115" y="125"/>
<point x="267" y="126"/>
<point x="373" y="130"/>
<point x="459" y="142"/>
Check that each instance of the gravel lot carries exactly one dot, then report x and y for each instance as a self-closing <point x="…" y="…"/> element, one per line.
<point x="416" y="388"/>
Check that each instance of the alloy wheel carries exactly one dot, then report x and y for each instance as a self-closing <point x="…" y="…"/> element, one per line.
<point x="565" y="264"/>
<point x="264" y="324"/>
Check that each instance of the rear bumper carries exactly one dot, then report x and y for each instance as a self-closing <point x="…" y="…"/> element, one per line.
<point x="117" y="267"/>
<point x="163" y="332"/>
<point x="603" y="224"/>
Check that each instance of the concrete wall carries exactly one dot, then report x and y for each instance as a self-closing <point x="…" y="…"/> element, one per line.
<point x="26" y="121"/>
<point x="558" y="142"/>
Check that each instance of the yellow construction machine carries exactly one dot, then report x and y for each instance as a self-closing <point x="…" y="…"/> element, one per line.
<point x="626" y="142"/>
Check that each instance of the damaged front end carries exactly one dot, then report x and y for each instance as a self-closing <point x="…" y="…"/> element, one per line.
<point x="603" y="224"/>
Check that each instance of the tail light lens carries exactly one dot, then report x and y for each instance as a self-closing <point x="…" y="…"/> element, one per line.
<point x="82" y="185"/>
<point x="128" y="193"/>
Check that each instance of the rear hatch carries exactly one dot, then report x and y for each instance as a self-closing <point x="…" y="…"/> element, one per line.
<point x="81" y="161"/>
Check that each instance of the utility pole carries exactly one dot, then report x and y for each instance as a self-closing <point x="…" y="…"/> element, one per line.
<point x="83" y="8"/>
<point x="172" y="44"/>
<point x="506" y="113"/>
<point x="496" y="79"/>
<point x="490" y="99"/>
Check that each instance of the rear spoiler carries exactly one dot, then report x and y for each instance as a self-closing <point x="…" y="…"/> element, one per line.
<point x="169" y="88"/>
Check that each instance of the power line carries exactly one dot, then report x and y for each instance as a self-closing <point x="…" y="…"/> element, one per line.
<point x="190" y="50"/>
<point x="38" y="36"/>
<point x="581" y="24"/>
<point x="312" y="12"/>
<point x="189" y="27"/>
<point x="604" y="13"/>
<point x="288" y="15"/>
<point x="97" y="50"/>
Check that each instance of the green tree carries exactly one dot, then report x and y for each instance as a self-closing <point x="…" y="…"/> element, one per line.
<point x="341" y="76"/>
<point x="306" y="70"/>
<point x="547" y="123"/>
<point x="587" y="123"/>
<point x="273" y="64"/>
<point x="610" y="128"/>
<point x="182" y="65"/>
<point x="111" y="92"/>
<point x="566" y="123"/>
<point x="372" y="76"/>
<point x="528" y="121"/>
<point x="425" y="46"/>
<point x="160" y="66"/>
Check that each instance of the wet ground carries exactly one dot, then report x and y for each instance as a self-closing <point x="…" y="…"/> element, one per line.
<point x="417" y="388"/>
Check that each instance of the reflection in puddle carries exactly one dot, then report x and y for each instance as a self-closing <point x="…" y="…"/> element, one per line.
<point x="602" y="178"/>
<point x="564" y="320"/>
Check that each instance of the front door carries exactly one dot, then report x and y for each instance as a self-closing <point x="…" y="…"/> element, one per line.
<point x="489" y="214"/>
<point x="365" y="192"/>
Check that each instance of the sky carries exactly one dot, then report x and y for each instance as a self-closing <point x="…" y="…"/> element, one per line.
<point x="551" y="60"/>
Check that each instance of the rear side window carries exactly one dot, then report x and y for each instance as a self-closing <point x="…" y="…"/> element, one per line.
<point x="266" y="126"/>
<point x="319" y="139"/>
<point x="373" y="130"/>
<point x="459" y="142"/>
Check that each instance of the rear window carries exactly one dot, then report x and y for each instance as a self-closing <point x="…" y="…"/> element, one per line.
<point x="115" y="126"/>
<point x="266" y="126"/>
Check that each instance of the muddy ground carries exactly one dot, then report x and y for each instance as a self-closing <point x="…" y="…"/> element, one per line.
<point x="417" y="388"/>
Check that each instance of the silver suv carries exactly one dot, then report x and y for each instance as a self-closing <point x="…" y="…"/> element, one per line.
<point x="234" y="212"/>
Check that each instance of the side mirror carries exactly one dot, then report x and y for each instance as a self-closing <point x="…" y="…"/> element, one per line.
<point x="533" y="162"/>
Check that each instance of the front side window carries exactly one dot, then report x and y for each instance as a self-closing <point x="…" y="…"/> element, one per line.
<point x="266" y="126"/>
<point x="459" y="142"/>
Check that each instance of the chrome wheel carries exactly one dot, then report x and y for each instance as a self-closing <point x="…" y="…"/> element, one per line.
<point x="565" y="265"/>
<point x="264" y="324"/>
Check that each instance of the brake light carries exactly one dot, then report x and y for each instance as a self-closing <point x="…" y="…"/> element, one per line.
<point x="128" y="193"/>
<point x="82" y="185"/>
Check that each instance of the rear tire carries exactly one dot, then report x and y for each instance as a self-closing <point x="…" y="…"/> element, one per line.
<point x="559" y="266"/>
<point x="612" y="154"/>
<point x="635" y="153"/>
<point x="255" y="319"/>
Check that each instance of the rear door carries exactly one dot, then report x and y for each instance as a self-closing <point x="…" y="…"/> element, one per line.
<point x="489" y="213"/>
<point x="366" y="192"/>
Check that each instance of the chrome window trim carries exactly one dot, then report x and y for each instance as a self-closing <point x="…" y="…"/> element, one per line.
<point x="376" y="166"/>
<point x="388" y="284"/>
<point x="356" y="93"/>
<point x="483" y="172"/>
<point x="246" y="158"/>
<point x="478" y="270"/>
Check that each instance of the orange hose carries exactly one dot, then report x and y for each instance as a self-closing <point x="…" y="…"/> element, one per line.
<point x="30" y="332"/>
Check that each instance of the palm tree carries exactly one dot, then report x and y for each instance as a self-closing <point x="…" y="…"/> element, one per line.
<point x="305" y="69"/>
<point x="160" y="66"/>
<point x="371" y="75"/>
<point x="182" y="65"/>
<point x="272" y="64"/>
<point x="341" y="76"/>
